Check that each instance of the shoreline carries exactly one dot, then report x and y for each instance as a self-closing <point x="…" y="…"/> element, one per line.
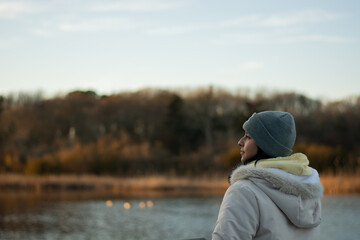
<point x="93" y="187"/>
<point x="89" y="186"/>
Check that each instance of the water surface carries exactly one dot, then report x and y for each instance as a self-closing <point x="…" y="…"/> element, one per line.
<point x="168" y="218"/>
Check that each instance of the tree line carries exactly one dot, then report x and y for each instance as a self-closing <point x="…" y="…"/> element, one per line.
<point x="155" y="131"/>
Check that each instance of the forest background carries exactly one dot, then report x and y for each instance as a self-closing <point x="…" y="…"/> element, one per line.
<point x="155" y="132"/>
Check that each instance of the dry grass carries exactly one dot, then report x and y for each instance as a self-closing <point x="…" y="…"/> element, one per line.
<point x="340" y="184"/>
<point x="149" y="185"/>
<point x="131" y="186"/>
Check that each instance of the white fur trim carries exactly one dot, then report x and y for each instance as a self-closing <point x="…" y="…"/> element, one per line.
<point x="279" y="181"/>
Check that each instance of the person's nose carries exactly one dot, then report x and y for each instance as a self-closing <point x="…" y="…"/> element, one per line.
<point x="241" y="142"/>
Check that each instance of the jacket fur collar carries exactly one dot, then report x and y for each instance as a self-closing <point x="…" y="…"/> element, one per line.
<point x="277" y="181"/>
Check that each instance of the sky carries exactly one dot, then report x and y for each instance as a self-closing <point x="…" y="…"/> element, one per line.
<point x="57" y="46"/>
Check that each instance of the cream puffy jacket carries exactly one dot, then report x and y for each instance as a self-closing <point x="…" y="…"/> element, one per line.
<point x="269" y="203"/>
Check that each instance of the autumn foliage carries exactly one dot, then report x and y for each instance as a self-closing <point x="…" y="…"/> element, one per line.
<point x="163" y="131"/>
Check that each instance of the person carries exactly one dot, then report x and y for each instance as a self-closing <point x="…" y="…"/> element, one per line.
<point x="273" y="194"/>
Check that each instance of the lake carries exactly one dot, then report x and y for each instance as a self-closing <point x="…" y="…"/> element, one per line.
<point x="144" y="218"/>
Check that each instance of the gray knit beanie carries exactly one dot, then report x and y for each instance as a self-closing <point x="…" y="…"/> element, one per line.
<point x="274" y="132"/>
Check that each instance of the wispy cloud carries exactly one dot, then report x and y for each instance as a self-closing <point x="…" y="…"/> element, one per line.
<point x="278" y="29"/>
<point x="248" y="66"/>
<point x="99" y="24"/>
<point x="301" y="17"/>
<point x="317" y="38"/>
<point x="175" y="30"/>
<point x="281" y="20"/>
<point x="11" y="9"/>
<point x="244" y="38"/>
<point x="135" y="6"/>
<point x="278" y="37"/>
<point x="243" y="20"/>
<point x="42" y="32"/>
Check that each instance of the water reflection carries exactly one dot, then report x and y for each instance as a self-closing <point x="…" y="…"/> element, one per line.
<point x="109" y="203"/>
<point x="160" y="218"/>
<point x="127" y="205"/>
<point x="150" y="203"/>
<point x="142" y="204"/>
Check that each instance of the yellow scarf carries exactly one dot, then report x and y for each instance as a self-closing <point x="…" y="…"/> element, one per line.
<point x="296" y="164"/>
